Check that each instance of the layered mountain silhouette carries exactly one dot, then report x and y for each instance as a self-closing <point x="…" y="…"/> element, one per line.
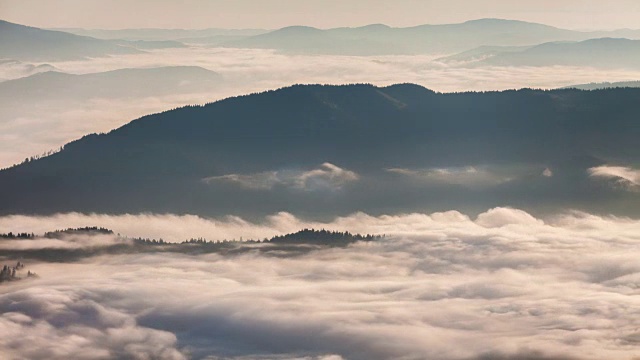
<point x="25" y="43"/>
<point x="329" y="150"/>
<point x="13" y="69"/>
<point x="163" y="34"/>
<point x="150" y="44"/>
<point x="121" y="83"/>
<point x="600" y="53"/>
<point x="425" y="39"/>
<point x="75" y="104"/>
<point x="606" y="85"/>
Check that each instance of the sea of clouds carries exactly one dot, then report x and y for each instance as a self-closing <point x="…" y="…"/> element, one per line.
<point x="502" y="285"/>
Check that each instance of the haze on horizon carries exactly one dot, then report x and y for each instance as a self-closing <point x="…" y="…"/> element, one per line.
<point x="271" y="14"/>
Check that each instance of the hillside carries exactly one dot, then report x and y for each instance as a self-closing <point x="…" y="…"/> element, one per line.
<point x="327" y="150"/>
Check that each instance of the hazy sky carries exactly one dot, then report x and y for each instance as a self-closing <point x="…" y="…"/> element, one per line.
<point x="113" y="14"/>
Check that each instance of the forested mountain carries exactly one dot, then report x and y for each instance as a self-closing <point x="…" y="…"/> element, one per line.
<point x="328" y="150"/>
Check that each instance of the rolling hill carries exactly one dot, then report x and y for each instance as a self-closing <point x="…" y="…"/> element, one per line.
<point x="329" y="150"/>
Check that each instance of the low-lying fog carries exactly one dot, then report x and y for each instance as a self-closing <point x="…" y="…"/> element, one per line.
<point x="504" y="285"/>
<point x="31" y="125"/>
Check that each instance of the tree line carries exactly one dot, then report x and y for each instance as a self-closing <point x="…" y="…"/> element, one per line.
<point x="10" y="273"/>
<point x="88" y="230"/>
<point x="305" y="236"/>
<point x="22" y="235"/>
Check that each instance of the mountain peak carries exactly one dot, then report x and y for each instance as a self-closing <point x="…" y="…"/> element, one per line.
<point x="495" y="22"/>
<point x="298" y="29"/>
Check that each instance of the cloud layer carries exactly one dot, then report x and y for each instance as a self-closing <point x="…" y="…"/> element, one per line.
<point x="504" y="285"/>
<point x="469" y="176"/>
<point x="623" y="177"/>
<point x="326" y="177"/>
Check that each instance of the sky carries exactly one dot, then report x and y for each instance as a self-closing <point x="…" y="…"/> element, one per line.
<point x="118" y="14"/>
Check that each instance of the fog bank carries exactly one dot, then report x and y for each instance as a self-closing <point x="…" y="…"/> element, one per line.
<point x="504" y="285"/>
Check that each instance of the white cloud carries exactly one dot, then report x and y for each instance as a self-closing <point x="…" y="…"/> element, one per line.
<point x="626" y="177"/>
<point x="468" y="176"/>
<point x="326" y="177"/>
<point x="12" y="69"/>
<point x="62" y="324"/>
<point x="500" y="217"/>
<point x="259" y="181"/>
<point x="502" y="286"/>
<point x="68" y="242"/>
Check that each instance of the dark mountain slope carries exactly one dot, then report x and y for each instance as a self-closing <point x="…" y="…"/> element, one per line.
<point x="258" y="153"/>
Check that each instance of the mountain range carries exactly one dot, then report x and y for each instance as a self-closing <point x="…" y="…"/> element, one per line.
<point x="605" y="85"/>
<point x="330" y="150"/>
<point x="162" y="34"/>
<point x="19" y="42"/>
<point x="495" y="39"/>
<point x="121" y="83"/>
<point x="599" y="53"/>
<point x="13" y="69"/>
<point x="380" y="39"/>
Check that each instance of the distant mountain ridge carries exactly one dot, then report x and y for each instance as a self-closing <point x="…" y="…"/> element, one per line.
<point x="607" y="53"/>
<point x="374" y="39"/>
<point x="160" y="34"/>
<point x="605" y="85"/>
<point x="601" y="53"/>
<point x="121" y="83"/>
<point x="25" y="43"/>
<point x="55" y="105"/>
<point x="330" y="150"/>
<point x="380" y="39"/>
